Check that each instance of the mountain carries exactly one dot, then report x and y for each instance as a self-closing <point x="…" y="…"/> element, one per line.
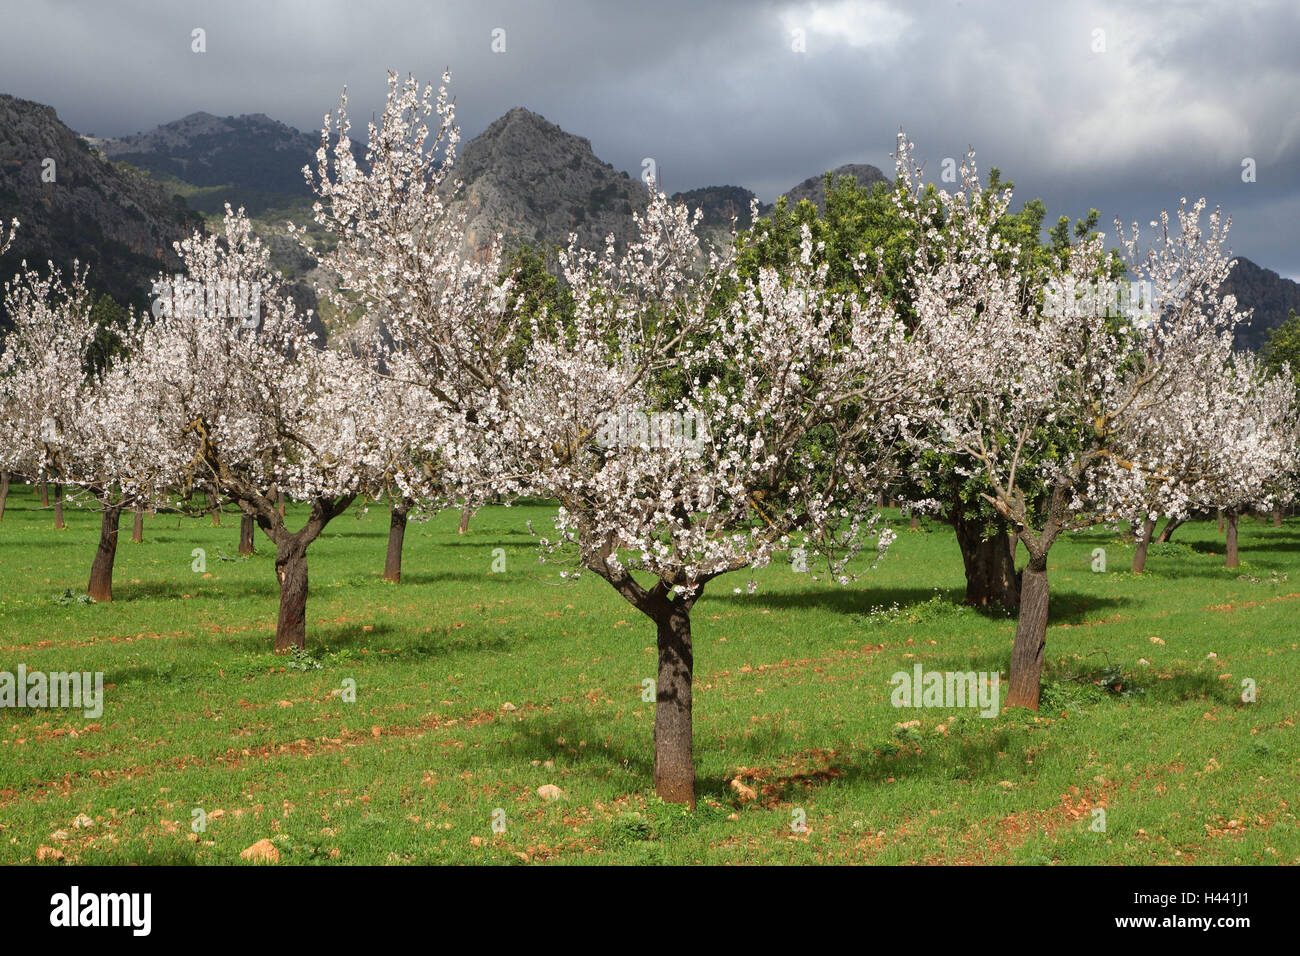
<point x="249" y="160"/>
<point x="814" y="187"/>
<point x="535" y="183"/>
<point x="1271" y="296"/>
<point x="523" y="176"/>
<point x="117" y="220"/>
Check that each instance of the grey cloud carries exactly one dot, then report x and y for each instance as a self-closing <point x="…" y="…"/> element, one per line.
<point x="714" y="92"/>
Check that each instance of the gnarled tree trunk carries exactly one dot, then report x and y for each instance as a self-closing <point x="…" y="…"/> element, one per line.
<point x="674" y="751"/>
<point x="1143" y="541"/>
<point x="101" y="570"/>
<point x="989" y="562"/>
<point x="291" y="559"/>
<point x="291" y="572"/>
<point x="1031" y="636"/>
<point x="58" y="508"/>
<point x="1170" y="527"/>
<point x="396" y="534"/>
<point x="1230" y="517"/>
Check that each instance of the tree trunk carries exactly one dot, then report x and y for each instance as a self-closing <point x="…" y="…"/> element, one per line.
<point x="1144" y="539"/>
<point x="291" y="571"/>
<point x="58" y="508"/>
<point x="101" y="571"/>
<point x="990" y="564"/>
<point x="464" y="519"/>
<point x="1031" y="637"/>
<point x="1277" y="514"/>
<point x="1220" y="521"/>
<point x="1231" y="561"/>
<point x="246" y="525"/>
<point x="915" y="523"/>
<point x="214" y="507"/>
<point x="396" y="534"/>
<point x="1170" y="527"/>
<point x="279" y="499"/>
<point x="137" y="524"/>
<point x="45" y="493"/>
<point x="4" y="492"/>
<point x="674" y="756"/>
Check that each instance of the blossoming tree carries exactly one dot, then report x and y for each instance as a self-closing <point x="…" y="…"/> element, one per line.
<point x="1057" y="379"/>
<point x="258" y="405"/>
<point x="74" y="417"/>
<point x="1226" y="439"/>
<point x="444" y="334"/>
<point x="684" y="441"/>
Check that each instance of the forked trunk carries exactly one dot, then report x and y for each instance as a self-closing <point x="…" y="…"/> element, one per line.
<point x="396" y="534"/>
<point x="291" y="571"/>
<point x="137" y="523"/>
<point x="1031" y="637"/>
<point x="246" y="525"/>
<point x="4" y="492"/>
<point x="674" y="756"/>
<point x="990" y="564"/>
<point x="1144" y="540"/>
<point x="58" y="508"/>
<point x="1168" y="532"/>
<point x="465" y="514"/>
<point x="1231" y="537"/>
<point x="101" y="571"/>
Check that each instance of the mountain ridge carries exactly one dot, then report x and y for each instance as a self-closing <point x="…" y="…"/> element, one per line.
<point x="523" y="176"/>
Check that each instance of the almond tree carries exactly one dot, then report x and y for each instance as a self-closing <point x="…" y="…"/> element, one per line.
<point x="438" y="307"/>
<point x="7" y="447"/>
<point x="74" y="420"/>
<point x="1040" y="392"/>
<point x="1227" y="439"/>
<point x="684" y="441"/>
<point x="258" y="405"/>
<point x="44" y="372"/>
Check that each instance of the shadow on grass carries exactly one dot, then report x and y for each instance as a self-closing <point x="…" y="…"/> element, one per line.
<point x="166" y="590"/>
<point x="1067" y="607"/>
<point x="844" y="600"/>
<point x="436" y="577"/>
<point x="538" y="738"/>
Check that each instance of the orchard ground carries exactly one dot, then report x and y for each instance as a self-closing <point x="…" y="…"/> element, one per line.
<point x="792" y="696"/>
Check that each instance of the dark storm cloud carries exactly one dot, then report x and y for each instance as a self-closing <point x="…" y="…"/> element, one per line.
<point x="716" y="93"/>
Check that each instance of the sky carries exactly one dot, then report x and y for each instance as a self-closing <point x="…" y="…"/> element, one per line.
<point x="1126" y="107"/>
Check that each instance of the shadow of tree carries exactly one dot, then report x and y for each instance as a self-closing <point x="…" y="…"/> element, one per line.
<point x="1066" y="606"/>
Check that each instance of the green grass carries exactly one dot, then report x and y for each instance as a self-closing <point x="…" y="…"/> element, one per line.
<point x="792" y="695"/>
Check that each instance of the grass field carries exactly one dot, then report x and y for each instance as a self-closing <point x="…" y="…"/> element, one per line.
<point x="792" y="695"/>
